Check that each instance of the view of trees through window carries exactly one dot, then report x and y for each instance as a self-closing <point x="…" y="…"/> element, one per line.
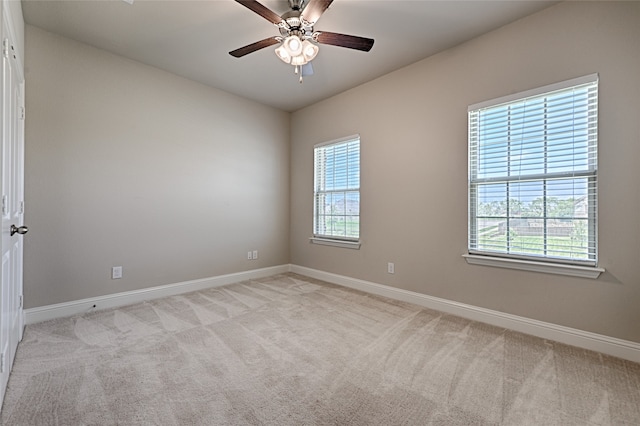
<point x="553" y="225"/>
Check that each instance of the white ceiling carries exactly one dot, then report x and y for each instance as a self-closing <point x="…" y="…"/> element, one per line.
<point x="193" y="38"/>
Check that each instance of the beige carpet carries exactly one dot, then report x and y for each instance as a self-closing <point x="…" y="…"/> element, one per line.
<point x="289" y="350"/>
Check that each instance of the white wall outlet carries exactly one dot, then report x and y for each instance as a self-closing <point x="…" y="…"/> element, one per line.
<point x="391" y="268"/>
<point x="116" y="272"/>
<point x="255" y="254"/>
<point x="249" y="255"/>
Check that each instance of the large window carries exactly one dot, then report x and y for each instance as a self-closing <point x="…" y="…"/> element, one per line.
<point x="337" y="190"/>
<point x="532" y="174"/>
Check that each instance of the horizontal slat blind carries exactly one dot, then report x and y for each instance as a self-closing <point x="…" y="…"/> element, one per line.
<point x="337" y="190"/>
<point x="533" y="175"/>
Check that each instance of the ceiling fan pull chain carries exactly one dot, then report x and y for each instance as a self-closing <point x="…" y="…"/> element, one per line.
<point x="297" y="69"/>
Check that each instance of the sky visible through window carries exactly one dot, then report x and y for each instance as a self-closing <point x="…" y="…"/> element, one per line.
<point x="533" y="137"/>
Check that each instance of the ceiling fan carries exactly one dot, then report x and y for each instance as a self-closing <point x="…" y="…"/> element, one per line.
<point x="298" y="39"/>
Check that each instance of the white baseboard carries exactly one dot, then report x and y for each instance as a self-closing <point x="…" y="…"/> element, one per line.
<point x="583" y="339"/>
<point x="61" y="310"/>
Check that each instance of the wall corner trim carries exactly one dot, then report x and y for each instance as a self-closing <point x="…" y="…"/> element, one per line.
<point x="583" y="339"/>
<point x="75" y="307"/>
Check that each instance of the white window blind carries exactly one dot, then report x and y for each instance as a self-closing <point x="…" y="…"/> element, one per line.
<point x="533" y="174"/>
<point x="337" y="189"/>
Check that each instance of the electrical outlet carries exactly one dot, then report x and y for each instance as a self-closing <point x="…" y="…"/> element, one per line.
<point x="116" y="272"/>
<point x="391" y="268"/>
<point x="255" y="254"/>
<point x="249" y="255"/>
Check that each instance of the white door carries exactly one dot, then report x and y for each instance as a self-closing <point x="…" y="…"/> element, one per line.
<point x="12" y="186"/>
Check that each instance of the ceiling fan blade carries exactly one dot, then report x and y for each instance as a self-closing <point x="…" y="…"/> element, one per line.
<point x="261" y="10"/>
<point x="250" y="48"/>
<point x="344" y="40"/>
<point x="314" y="9"/>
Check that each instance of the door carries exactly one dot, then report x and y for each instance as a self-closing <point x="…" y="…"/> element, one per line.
<point x="12" y="208"/>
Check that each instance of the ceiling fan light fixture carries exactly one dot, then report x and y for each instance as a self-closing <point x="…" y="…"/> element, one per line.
<point x="296" y="51"/>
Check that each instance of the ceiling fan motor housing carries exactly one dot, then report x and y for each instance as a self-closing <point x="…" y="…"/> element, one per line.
<point x="294" y="24"/>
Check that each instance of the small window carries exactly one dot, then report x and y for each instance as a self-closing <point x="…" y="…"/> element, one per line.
<point x="337" y="190"/>
<point x="533" y="174"/>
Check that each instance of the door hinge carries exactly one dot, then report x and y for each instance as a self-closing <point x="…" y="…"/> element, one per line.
<point x="20" y="298"/>
<point x="5" y="48"/>
<point x="2" y="362"/>
<point x="22" y="112"/>
<point x="21" y="211"/>
<point x="4" y="204"/>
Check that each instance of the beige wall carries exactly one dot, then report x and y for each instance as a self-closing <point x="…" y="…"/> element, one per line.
<point x="413" y="127"/>
<point x="129" y="165"/>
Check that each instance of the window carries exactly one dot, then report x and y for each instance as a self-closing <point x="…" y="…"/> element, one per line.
<point x="337" y="190"/>
<point x="533" y="174"/>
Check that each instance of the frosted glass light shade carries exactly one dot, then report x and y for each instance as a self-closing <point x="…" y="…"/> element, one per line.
<point x="293" y="44"/>
<point x="309" y="50"/>
<point x="282" y="53"/>
<point x="298" y="60"/>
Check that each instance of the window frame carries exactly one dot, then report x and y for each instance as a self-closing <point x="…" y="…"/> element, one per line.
<point x="533" y="262"/>
<point x="332" y="239"/>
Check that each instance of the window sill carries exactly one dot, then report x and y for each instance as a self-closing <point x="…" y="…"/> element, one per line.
<point x="527" y="265"/>
<point x="355" y="245"/>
